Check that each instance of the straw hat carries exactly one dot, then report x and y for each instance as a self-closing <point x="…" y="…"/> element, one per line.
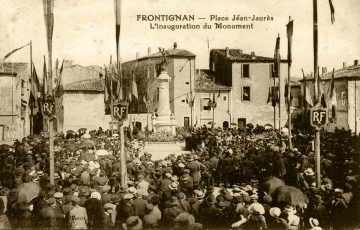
<point x="309" y="172"/>
<point x="275" y="212"/>
<point x="256" y="208"/>
<point x="313" y="222"/>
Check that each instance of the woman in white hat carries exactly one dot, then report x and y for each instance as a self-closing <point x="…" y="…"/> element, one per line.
<point x="293" y="220"/>
<point x="255" y="220"/>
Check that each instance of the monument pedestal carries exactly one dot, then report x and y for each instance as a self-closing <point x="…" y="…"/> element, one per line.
<point x="165" y="121"/>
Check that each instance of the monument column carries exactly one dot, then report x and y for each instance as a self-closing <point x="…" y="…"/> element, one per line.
<point x="164" y="121"/>
<point x="164" y="105"/>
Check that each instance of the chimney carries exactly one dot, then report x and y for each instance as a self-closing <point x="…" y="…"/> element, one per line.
<point x="137" y="55"/>
<point x="324" y="70"/>
<point x="252" y="55"/>
<point x="175" y="45"/>
<point x="227" y="51"/>
<point x="344" y="64"/>
<point x="149" y="50"/>
<point x="356" y="62"/>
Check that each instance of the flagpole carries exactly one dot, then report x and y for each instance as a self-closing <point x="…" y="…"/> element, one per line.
<point x="191" y="98"/>
<point x="289" y="84"/>
<point x="111" y="98"/>
<point x="304" y="97"/>
<point x="120" y="96"/>
<point x="279" y="77"/>
<point x="213" y="106"/>
<point x="355" y="112"/>
<point x="317" y="132"/>
<point x="31" y="112"/>
<point x="272" y="99"/>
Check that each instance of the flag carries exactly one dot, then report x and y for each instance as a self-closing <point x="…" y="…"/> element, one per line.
<point x="117" y="24"/>
<point x="286" y="94"/>
<point x="269" y="96"/>
<point x="308" y="97"/>
<point x="106" y="88"/>
<point x="119" y="92"/>
<point x="218" y="94"/>
<point x="332" y="96"/>
<point x="332" y="11"/>
<point x="45" y="86"/>
<point x="48" y="6"/>
<point x="290" y="30"/>
<point x="134" y="91"/>
<point x="13" y="51"/>
<point x="60" y="87"/>
<point x="277" y="57"/>
<point x="275" y="96"/>
<point x="33" y="100"/>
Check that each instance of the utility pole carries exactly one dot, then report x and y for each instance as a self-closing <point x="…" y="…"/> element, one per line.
<point x="317" y="81"/>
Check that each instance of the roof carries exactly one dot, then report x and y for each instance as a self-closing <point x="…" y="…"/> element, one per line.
<point x="171" y="53"/>
<point x="348" y="73"/>
<point x="204" y="82"/>
<point x="12" y="67"/>
<point x="237" y="55"/>
<point x="89" y="85"/>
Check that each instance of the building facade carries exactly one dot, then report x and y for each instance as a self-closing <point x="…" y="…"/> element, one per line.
<point x="250" y="78"/>
<point x="347" y="94"/>
<point x="14" y="101"/>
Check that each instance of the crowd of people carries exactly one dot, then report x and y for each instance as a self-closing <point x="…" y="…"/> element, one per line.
<point x="234" y="179"/>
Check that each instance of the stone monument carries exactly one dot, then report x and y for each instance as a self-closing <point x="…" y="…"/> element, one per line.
<point x="165" y="119"/>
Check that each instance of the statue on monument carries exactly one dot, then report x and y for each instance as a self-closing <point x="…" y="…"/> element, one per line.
<point x="163" y="63"/>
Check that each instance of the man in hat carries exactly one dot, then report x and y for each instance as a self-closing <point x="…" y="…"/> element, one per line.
<point x="49" y="218"/>
<point x="165" y="182"/>
<point x="142" y="186"/>
<point x="125" y="209"/>
<point x="78" y="216"/>
<point x="139" y="204"/>
<point x="105" y="196"/>
<point x="133" y="223"/>
<point x="150" y="219"/>
<point x="171" y="211"/>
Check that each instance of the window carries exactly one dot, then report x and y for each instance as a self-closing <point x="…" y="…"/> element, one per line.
<point x="224" y="98"/>
<point x="246" y="93"/>
<point x="205" y="104"/>
<point x="186" y="122"/>
<point x="246" y="70"/>
<point x="182" y="100"/>
<point x="187" y="82"/>
<point x="343" y="99"/>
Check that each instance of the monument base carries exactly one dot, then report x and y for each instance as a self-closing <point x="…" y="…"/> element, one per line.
<point x="164" y="124"/>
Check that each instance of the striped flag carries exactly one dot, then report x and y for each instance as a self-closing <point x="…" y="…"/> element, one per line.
<point x="118" y="23"/>
<point x="48" y="6"/>
<point x="332" y="11"/>
<point x="13" y="51"/>
<point x="277" y="57"/>
<point x="332" y="97"/>
<point x="45" y="81"/>
<point x="290" y="30"/>
<point x="119" y="90"/>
